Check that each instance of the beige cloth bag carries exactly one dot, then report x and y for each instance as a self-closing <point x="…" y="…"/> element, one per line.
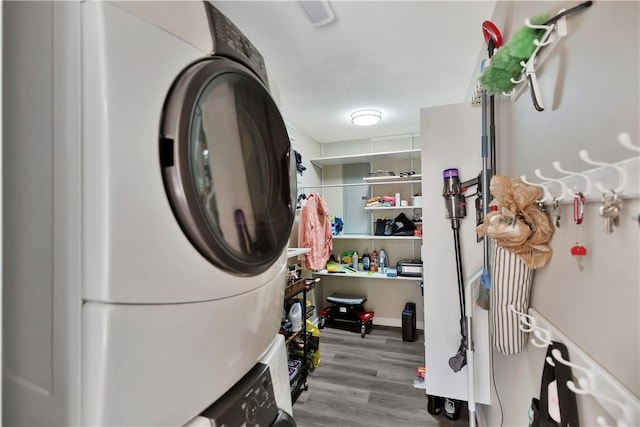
<point x="520" y="230"/>
<point x="519" y="225"/>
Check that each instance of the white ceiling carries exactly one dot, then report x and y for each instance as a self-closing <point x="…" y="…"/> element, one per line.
<point x="394" y="56"/>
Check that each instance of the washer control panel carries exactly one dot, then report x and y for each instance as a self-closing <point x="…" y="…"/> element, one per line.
<point x="229" y="41"/>
<point x="250" y="402"/>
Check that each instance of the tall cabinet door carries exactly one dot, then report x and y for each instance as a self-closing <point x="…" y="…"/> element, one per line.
<point x="443" y="139"/>
<point x="358" y="221"/>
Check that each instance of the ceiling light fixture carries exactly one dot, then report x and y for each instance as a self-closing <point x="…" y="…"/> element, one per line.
<point x="317" y="12"/>
<point x="366" y="117"/>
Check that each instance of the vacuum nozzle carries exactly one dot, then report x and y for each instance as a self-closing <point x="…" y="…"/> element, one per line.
<point x="458" y="361"/>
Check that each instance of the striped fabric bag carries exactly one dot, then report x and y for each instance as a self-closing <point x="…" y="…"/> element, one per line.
<point x="510" y="285"/>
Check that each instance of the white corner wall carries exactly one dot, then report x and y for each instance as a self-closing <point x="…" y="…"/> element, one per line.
<point x="590" y="88"/>
<point x="1" y="246"/>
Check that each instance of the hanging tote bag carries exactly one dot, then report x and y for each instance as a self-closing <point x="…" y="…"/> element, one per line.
<point x="545" y="413"/>
<point x="510" y="285"/>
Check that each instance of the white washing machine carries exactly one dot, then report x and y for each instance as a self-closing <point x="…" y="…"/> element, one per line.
<point x="183" y="214"/>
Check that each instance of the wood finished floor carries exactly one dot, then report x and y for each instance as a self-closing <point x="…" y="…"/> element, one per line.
<point x="367" y="382"/>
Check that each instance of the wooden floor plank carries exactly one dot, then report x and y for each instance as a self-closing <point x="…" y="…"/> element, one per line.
<point x="367" y="382"/>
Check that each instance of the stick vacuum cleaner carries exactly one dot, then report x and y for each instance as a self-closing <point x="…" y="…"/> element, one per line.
<point x="456" y="210"/>
<point x="453" y="193"/>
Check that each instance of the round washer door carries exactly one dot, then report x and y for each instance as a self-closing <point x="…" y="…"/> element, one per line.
<point x="227" y="166"/>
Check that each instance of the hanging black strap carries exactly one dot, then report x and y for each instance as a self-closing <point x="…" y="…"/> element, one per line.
<point x="561" y="373"/>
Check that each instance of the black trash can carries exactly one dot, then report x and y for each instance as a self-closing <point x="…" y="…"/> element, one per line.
<point x="409" y="322"/>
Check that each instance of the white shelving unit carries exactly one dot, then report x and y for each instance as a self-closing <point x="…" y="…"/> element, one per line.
<point x="387" y="295"/>
<point x="411" y="179"/>
<point x="365" y="275"/>
<point x="392" y="208"/>
<point x="291" y="252"/>
<point x="373" y="237"/>
<point x="366" y="158"/>
<point x="375" y="159"/>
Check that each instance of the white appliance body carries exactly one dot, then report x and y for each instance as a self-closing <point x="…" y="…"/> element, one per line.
<point x="132" y="324"/>
<point x="134" y="248"/>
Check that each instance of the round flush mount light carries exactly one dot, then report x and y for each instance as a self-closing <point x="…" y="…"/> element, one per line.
<point x="366" y="117"/>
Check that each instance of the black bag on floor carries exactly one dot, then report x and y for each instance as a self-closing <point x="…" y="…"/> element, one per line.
<point x="561" y="373"/>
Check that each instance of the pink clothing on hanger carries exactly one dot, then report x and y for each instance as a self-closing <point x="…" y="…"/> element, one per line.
<point x="315" y="233"/>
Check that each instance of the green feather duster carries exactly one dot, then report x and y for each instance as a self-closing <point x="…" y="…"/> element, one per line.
<point x="521" y="44"/>
<point x="505" y="64"/>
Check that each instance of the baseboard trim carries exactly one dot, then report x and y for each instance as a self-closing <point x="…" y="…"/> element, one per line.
<point x="393" y="322"/>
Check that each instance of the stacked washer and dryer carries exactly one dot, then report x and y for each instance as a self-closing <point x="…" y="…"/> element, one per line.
<point x="148" y="205"/>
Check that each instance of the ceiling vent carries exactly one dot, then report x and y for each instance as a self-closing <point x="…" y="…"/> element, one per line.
<point x="317" y="12"/>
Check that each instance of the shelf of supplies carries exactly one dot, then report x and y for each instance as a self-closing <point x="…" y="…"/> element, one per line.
<point x="298" y="383"/>
<point x="364" y="275"/>
<point x="412" y="179"/>
<point x="291" y="252"/>
<point x="365" y="158"/>
<point x="373" y="237"/>
<point x="391" y="208"/>
<point x="292" y="336"/>
<point x="294" y="289"/>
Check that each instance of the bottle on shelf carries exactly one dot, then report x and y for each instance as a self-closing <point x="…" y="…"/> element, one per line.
<point x="366" y="260"/>
<point x="383" y="261"/>
<point x="354" y="260"/>
<point x="295" y="316"/>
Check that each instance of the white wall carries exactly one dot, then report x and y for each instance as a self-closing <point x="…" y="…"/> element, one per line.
<point x="1" y="246"/>
<point x="590" y="89"/>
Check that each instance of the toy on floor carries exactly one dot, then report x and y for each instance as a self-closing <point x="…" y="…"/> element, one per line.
<point x="347" y="308"/>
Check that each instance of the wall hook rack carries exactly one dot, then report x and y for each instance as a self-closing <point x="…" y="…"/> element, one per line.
<point x="609" y="173"/>
<point x="622" y="175"/>
<point x="546" y="196"/>
<point x="587" y="180"/>
<point x="552" y="33"/>
<point x="563" y="186"/>
<point x="554" y="29"/>
<point x="541" y="337"/>
<point x="625" y="140"/>
<point x="593" y="380"/>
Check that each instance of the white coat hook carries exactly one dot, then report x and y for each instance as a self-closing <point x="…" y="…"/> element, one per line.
<point x="625" y="140"/>
<point x="619" y="422"/>
<point x="587" y="181"/>
<point x="522" y="76"/>
<point x="527" y="323"/>
<point x="528" y="23"/>
<point x="563" y="186"/>
<point x="546" y="197"/>
<point x="603" y="423"/>
<point x="622" y="175"/>
<point x="586" y="387"/>
<point x="586" y="383"/>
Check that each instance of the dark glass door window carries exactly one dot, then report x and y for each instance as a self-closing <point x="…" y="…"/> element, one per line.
<point x="227" y="166"/>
